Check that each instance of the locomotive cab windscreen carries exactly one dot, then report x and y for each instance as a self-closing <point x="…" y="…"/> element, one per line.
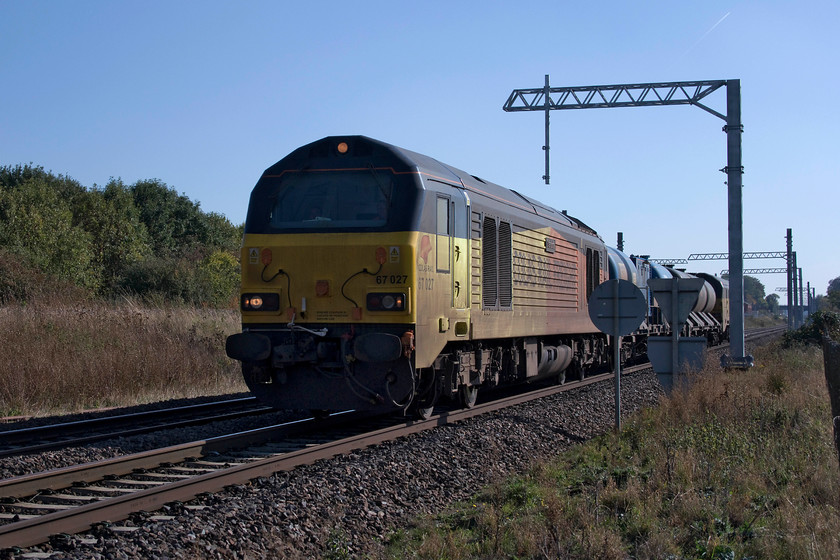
<point x="329" y="200"/>
<point x="367" y="188"/>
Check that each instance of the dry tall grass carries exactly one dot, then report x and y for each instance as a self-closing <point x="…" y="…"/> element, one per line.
<point x="739" y="465"/>
<point x="62" y="358"/>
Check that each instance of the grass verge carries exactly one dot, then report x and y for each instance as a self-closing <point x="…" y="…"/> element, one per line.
<point x="740" y="465"/>
<point x="65" y="358"/>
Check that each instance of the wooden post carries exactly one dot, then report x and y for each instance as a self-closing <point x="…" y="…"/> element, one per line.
<point x="831" y="355"/>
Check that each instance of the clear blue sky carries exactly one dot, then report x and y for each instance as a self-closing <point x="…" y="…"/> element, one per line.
<point x="205" y="95"/>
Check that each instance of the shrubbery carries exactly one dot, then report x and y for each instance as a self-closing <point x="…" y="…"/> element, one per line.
<point x="144" y="239"/>
<point x="819" y="325"/>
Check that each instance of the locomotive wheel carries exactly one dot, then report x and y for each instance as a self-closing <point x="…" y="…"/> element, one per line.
<point x="467" y="395"/>
<point x="423" y="413"/>
<point x="424" y="402"/>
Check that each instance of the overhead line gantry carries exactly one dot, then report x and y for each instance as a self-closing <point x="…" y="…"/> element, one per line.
<point x="549" y="98"/>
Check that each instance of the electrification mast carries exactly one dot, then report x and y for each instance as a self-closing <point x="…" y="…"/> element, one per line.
<point x="549" y="98"/>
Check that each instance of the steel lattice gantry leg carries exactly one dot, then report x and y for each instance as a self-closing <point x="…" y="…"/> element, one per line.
<point x="734" y="170"/>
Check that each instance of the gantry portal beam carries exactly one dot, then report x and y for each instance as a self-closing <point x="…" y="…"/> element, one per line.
<point x="669" y="261"/>
<point x="725" y="256"/>
<point x="623" y="95"/>
<point x="759" y="271"/>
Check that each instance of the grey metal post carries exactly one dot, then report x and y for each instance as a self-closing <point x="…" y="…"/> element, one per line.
<point x="617" y="358"/>
<point x="734" y="169"/>
<point x="547" y="112"/>
<point x="676" y="327"/>
<point x="801" y="312"/>
<point x="796" y="323"/>
<point x="808" y="293"/>
<point x="790" y="278"/>
<point x="616" y="340"/>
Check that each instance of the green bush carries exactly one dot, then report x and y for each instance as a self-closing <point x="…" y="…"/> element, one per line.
<point x="118" y="238"/>
<point x="144" y="240"/>
<point x="151" y="277"/>
<point x="219" y="274"/>
<point x="820" y="324"/>
<point x="37" y="223"/>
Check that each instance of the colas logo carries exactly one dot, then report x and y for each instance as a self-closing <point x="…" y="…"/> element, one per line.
<point x="425" y="248"/>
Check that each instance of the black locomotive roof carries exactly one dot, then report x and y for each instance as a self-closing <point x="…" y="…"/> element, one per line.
<point x="474" y="184"/>
<point x="363" y="152"/>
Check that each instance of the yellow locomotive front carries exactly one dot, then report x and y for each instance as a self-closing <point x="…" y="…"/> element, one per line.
<point x="328" y="284"/>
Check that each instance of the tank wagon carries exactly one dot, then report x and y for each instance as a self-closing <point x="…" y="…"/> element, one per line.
<point x="708" y="318"/>
<point x="374" y="277"/>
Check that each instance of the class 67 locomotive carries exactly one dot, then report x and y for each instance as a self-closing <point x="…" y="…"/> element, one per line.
<point x="377" y="278"/>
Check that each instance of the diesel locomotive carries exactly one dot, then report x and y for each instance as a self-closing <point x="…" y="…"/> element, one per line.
<point x="374" y="277"/>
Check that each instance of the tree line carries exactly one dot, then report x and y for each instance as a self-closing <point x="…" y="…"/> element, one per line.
<point x="142" y="240"/>
<point x="755" y="297"/>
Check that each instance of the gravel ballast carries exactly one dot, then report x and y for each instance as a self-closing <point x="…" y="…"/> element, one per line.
<point x="348" y="504"/>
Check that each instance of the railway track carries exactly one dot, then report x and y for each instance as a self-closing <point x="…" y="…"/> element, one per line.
<point x="74" y="499"/>
<point x="766" y="332"/>
<point x="756" y="335"/>
<point x="56" y="436"/>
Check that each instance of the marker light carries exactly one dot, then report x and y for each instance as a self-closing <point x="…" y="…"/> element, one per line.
<point x="342" y="147"/>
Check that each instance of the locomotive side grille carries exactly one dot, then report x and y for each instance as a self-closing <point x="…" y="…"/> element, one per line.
<point x="496" y="264"/>
<point x="505" y="272"/>
<point x="475" y="258"/>
<point x="593" y="271"/>
<point x="489" y="263"/>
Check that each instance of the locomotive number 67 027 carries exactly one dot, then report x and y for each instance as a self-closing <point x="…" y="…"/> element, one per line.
<point x="392" y="279"/>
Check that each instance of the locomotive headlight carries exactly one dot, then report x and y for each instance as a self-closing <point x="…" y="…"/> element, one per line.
<point x="386" y="302"/>
<point x="260" y="302"/>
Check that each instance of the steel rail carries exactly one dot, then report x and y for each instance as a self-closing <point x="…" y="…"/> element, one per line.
<point x="37" y="530"/>
<point x="56" y="436"/>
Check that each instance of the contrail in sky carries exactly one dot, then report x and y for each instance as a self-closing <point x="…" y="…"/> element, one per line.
<point x="712" y="28"/>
